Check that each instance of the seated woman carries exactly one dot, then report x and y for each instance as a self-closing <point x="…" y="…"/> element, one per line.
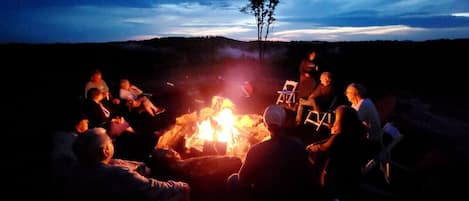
<point x="100" y="116"/>
<point x="136" y="99"/>
<point x="345" y="154"/>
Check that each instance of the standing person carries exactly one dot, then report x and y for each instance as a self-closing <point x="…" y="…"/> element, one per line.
<point x="276" y="169"/>
<point x="308" y="75"/>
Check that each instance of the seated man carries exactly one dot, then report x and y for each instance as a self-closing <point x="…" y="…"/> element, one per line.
<point x="275" y="169"/>
<point x="95" y="178"/>
<point x="320" y="98"/>
<point x="367" y="112"/>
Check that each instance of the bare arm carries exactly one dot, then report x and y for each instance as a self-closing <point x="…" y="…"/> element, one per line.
<point x="136" y="90"/>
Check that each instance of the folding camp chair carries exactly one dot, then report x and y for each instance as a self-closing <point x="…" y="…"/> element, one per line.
<point x="287" y="94"/>
<point x="383" y="159"/>
<point x="315" y="117"/>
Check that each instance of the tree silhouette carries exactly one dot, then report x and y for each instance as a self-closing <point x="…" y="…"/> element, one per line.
<point x="264" y="12"/>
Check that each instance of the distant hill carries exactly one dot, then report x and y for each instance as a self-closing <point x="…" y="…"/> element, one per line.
<point x="432" y="70"/>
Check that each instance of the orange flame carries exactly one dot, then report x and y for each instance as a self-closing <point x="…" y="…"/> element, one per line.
<point x="219" y="124"/>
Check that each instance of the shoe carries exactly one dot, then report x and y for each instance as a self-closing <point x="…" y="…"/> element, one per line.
<point x="159" y="111"/>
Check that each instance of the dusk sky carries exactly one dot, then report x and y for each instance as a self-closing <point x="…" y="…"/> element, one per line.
<point x="50" y="21"/>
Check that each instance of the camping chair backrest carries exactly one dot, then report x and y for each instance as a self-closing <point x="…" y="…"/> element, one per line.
<point x="287" y="94"/>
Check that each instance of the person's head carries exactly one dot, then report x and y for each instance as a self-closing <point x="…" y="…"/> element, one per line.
<point x="326" y="78"/>
<point x="312" y="55"/>
<point x="79" y="123"/>
<point x="274" y="118"/>
<point x="125" y="84"/>
<point x="96" y="75"/>
<point x="355" y="92"/>
<point x="93" y="147"/>
<point x="346" y="119"/>
<point x="95" y="94"/>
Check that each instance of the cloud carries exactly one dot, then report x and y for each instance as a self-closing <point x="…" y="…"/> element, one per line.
<point x="110" y="20"/>
<point x="394" y="32"/>
<point x="341" y="33"/>
<point x="460" y="14"/>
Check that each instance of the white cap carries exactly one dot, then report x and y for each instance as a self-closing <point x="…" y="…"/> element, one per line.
<point x="274" y="114"/>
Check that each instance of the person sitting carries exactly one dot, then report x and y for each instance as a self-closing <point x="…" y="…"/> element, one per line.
<point x="135" y="98"/>
<point x="96" y="81"/>
<point x="94" y="178"/>
<point x="345" y="155"/>
<point x="275" y="169"/>
<point x="356" y="94"/>
<point x="320" y="98"/>
<point x="99" y="116"/>
<point x="62" y="156"/>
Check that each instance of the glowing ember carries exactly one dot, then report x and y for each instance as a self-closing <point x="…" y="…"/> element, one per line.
<point x="217" y="125"/>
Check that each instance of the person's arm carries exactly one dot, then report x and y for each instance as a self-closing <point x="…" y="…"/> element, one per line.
<point x="319" y="91"/>
<point x="87" y="87"/>
<point x="247" y="170"/>
<point x="322" y="147"/>
<point x="153" y="189"/>
<point x="105" y="87"/>
<point x="136" y="90"/>
<point x="371" y="117"/>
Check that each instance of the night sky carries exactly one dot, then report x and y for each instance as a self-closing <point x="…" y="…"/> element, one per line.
<point x="72" y="21"/>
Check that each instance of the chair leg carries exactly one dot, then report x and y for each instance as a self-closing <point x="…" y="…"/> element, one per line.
<point x="372" y="163"/>
<point x="387" y="172"/>
<point x="307" y="117"/>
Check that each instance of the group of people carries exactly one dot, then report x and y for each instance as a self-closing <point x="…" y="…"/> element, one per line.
<point x="320" y="97"/>
<point x="83" y="162"/>
<point x="280" y="168"/>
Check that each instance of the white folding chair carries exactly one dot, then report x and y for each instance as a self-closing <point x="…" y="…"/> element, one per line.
<point x="314" y="117"/>
<point x="383" y="159"/>
<point x="287" y="94"/>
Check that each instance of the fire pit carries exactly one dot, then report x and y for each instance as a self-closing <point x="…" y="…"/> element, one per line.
<point x="215" y="130"/>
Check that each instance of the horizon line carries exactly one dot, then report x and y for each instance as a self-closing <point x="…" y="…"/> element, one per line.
<point x="212" y="37"/>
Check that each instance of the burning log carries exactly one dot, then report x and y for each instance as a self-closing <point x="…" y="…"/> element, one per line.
<point x="215" y="130"/>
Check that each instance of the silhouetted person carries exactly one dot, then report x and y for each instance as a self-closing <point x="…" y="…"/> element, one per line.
<point x="308" y="75"/>
<point x="346" y="154"/>
<point x="95" y="179"/>
<point x="100" y="116"/>
<point x="276" y="169"/>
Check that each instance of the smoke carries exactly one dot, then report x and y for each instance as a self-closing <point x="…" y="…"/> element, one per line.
<point x="235" y="53"/>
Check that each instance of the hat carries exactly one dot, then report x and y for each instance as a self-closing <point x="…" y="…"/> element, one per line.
<point x="274" y="114"/>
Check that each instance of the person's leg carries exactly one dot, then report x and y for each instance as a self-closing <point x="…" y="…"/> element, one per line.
<point x="299" y="112"/>
<point x="314" y="104"/>
<point x="150" y="107"/>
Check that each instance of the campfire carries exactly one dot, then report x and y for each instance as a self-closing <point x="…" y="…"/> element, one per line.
<point x="215" y="130"/>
